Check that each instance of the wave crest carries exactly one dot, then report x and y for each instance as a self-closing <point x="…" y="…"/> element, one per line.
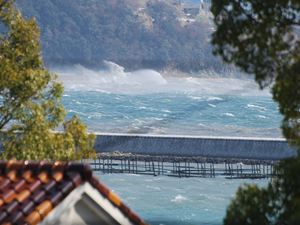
<point x="114" y="78"/>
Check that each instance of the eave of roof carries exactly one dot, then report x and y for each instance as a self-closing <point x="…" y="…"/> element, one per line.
<point x="82" y="201"/>
<point x="30" y="190"/>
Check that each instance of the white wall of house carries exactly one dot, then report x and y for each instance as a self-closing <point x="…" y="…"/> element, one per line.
<point x="85" y="206"/>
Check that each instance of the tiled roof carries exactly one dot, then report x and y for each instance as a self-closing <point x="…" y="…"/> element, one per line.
<point x="30" y="190"/>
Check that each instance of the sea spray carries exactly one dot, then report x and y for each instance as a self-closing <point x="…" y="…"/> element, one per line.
<point x="113" y="78"/>
<point x="114" y="100"/>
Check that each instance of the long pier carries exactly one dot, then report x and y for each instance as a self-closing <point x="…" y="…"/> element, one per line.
<point x="183" y="166"/>
<point x="190" y="156"/>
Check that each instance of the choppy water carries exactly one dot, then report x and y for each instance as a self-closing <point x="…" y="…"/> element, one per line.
<point x="146" y="101"/>
<point x="176" y="113"/>
<point x="112" y="100"/>
<point x="174" y="201"/>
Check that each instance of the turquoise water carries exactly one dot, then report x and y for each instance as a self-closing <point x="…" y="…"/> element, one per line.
<point x="147" y="102"/>
<point x="173" y="201"/>
<point x="176" y="113"/>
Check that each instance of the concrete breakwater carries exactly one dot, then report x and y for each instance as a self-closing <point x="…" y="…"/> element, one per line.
<point x="190" y="156"/>
<point x="191" y="146"/>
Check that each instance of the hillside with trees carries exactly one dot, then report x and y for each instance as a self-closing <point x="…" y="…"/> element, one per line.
<point x="148" y="34"/>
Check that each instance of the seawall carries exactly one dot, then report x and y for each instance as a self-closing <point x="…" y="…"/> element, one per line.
<point x="190" y="146"/>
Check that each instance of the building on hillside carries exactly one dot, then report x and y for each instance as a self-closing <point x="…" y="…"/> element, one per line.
<point x="58" y="193"/>
<point x="192" y="9"/>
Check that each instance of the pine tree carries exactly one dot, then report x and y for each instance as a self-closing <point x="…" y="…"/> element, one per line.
<point x="262" y="38"/>
<point x="30" y="98"/>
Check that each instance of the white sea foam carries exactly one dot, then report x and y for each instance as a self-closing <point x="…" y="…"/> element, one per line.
<point x="229" y="114"/>
<point x="96" y="115"/>
<point x="134" y="175"/>
<point x="115" y="79"/>
<point x="209" y="99"/>
<point x="178" y="199"/>
<point x="153" y="187"/>
<point x="261" y="116"/>
<point x="260" y="108"/>
<point x="77" y="112"/>
<point x="195" y="97"/>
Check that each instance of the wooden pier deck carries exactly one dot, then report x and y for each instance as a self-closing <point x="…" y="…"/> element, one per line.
<point x="184" y="166"/>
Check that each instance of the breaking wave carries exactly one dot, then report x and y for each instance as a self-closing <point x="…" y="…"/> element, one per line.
<point x="114" y="100"/>
<point x="178" y="199"/>
<point x="115" y="79"/>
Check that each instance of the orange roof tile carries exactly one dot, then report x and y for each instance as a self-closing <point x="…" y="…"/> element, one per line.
<point x="30" y="190"/>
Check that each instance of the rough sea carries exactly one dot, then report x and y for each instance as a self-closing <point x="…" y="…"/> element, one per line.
<point x="113" y="100"/>
<point x="176" y="201"/>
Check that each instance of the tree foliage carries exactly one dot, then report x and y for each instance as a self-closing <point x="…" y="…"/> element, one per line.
<point x="88" y="32"/>
<point x="262" y="38"/>
<point x="277" y="204"/>
<point x="30" y="97"/>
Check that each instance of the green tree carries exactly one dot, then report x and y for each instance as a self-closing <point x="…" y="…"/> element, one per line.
<point x="30" y="97"/>
<point x="262" y="38"/>
<point x="131" y="33"/>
